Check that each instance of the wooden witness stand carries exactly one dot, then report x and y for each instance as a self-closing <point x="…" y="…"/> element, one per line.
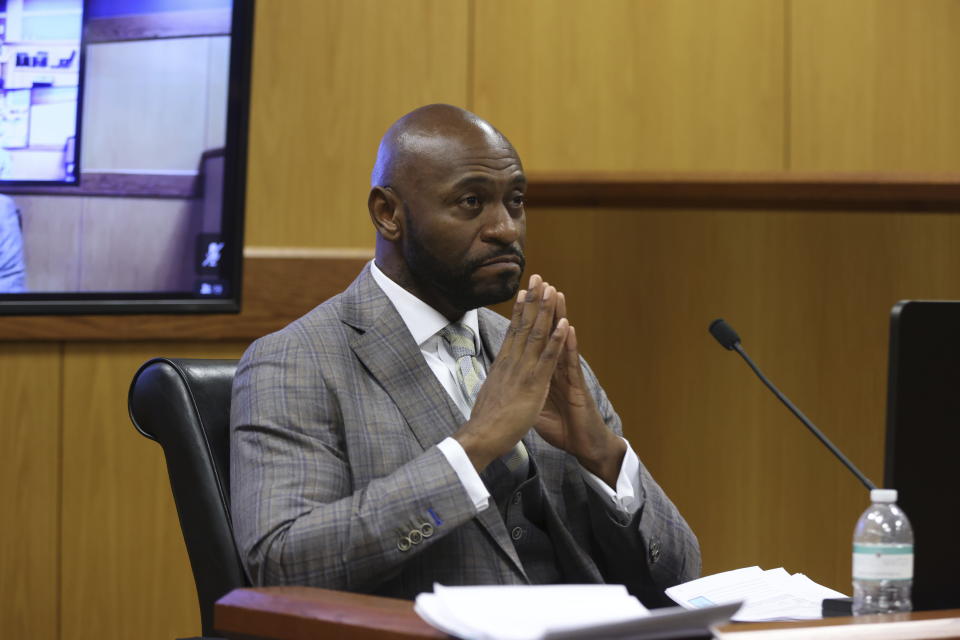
<point x="305" y="613"/>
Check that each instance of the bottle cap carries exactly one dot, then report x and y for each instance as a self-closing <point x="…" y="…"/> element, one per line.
<point x="883" y="495"/>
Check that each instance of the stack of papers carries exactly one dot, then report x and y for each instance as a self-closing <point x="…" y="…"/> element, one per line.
<point x="558" y="611"/>
<point x="768" y="595"/>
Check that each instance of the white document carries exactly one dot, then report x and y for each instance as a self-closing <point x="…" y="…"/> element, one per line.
<point x="767" y="595"/>
<point x="556" y="611"/>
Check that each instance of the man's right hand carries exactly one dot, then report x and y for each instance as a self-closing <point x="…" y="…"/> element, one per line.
<point x="518" y="382"/>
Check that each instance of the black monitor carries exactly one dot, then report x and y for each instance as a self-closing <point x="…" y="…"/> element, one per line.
<point x="123" y="129"/>
<point x="923" y="441"/>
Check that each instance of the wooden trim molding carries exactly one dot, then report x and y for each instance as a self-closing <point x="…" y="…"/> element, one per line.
<point x="281" y="284"/>
<point x="277" y="288"/>
<point x="878" y="191"/>
<point x="761" y="190"/>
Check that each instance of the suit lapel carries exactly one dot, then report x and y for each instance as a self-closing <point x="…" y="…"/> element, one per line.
<point x="385" y="347"/>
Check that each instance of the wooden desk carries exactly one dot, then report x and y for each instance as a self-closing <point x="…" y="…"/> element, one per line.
<point x="304" y="613"/>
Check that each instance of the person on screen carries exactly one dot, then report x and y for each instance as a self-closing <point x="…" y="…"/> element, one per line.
<point x="13" y="273"/>
<point x="400" y="434"/>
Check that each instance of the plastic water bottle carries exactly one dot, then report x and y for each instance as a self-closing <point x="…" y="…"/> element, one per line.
<point x="882" y="557"/>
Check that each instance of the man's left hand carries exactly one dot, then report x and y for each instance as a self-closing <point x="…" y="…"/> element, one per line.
<point x="570" y="419"/>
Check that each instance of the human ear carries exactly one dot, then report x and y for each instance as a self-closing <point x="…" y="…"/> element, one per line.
<point x="385" y="209"/>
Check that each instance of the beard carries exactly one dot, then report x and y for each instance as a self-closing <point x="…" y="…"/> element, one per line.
<point x="458" y="284"/>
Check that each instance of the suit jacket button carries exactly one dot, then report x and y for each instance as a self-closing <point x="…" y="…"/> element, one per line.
<point x="517" y="533"/>
<point x="426" y="529"/>
<point x="655" y="550"/>
<point x="415" y="536"/>
<point x="403" y="543"/>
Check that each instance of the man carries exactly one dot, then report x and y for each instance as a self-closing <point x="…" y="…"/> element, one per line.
<point x="13" y="273"/>
<point x="370" y="454"/>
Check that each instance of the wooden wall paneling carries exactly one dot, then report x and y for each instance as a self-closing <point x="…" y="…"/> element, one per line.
<point x="624" y="85"/>
<point x="810" y="293"/>
<point x="124" y="564"/>
<point x="29" y="490"/>
<point x="279" y="286"/>
<point x="874" y="85"/>
<point x="328" y="79"/>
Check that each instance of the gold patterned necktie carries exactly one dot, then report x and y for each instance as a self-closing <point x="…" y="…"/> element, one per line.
<point x="470" y="375"/>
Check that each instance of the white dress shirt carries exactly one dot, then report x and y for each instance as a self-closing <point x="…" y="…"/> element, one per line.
<point x="424" y="323"/>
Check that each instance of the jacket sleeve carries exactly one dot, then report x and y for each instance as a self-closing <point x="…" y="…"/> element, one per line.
<point x="299" y="517"/>
<point x="654" y="548"/>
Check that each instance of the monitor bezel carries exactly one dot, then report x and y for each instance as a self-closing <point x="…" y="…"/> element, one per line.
<point x="234" y="201"/>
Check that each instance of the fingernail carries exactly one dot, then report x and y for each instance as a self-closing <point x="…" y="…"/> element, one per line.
<point x="548" y="292"/>
<point x="522" y="294"/>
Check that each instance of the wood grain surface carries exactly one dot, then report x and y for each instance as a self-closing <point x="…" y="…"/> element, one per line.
<point x="329" y="78"/>
<point x="874" y="85"/>
<point x="279" y="285"/>
<point x="302" y="613"/>
<point x="661" y="86"/>
<point x="765" y="190"/>
<point x="810" y="294"/>
<point x="30" y="404"/>
<point x="623" y="85"/>
<point x="124" y="564"/>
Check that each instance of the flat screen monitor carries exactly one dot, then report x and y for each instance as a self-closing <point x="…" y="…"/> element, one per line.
<point x="123" y="129"/>
<point x="923" y="441"/>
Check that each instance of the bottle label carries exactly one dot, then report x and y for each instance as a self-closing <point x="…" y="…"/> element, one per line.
<point x="883" y="562"/>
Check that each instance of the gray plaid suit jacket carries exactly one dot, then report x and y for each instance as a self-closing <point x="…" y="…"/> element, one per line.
<point x="334" y="426"/>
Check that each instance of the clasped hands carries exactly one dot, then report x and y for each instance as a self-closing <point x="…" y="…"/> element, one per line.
<point x="536" y="380"/>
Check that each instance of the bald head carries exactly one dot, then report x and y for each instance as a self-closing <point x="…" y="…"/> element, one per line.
<point x="425" y="136"/>
<point x="447" y="201"/>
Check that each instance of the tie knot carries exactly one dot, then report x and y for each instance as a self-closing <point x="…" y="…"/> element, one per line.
<point x="460" y="338"/>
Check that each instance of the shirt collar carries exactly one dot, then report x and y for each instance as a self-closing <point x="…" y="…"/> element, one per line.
<point x="422" y="320"/>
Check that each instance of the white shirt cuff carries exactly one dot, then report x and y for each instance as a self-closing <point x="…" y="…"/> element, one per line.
<point x="626" y="498"/>
<point x="469" y="478"/>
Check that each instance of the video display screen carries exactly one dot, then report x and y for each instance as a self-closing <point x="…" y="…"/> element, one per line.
<point x="39" y="89"/>
<point x="122" y="154"/>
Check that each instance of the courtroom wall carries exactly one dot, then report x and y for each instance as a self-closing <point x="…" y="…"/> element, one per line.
<point x="667" y="85"/>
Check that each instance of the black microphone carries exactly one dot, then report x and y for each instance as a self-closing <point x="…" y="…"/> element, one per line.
<point x="729" y="339"/>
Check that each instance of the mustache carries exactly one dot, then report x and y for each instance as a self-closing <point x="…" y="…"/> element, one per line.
<point x="508" y="252"/>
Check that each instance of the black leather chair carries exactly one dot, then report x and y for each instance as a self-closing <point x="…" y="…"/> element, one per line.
<point x="185" y="406"/>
